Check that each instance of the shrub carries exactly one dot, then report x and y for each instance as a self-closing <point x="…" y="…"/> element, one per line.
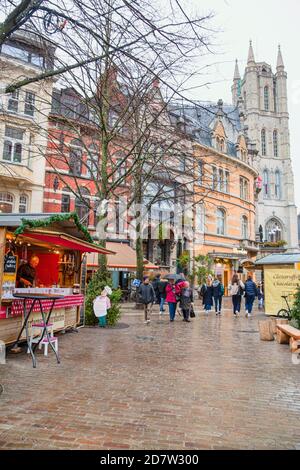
<point x="94" y="288"/>
<point x="296" y="309"/>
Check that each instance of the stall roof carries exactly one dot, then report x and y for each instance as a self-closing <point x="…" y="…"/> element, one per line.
<point x="67" y="241"/>
<point x="125" y="257"/>
<point x="280" y="258"/>
<point x="68" y="223"/>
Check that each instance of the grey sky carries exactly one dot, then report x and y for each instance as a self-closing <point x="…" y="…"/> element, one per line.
<point x="268" y="23"/>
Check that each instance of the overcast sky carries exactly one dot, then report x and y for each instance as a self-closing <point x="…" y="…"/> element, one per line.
<point x="268" y="23"/>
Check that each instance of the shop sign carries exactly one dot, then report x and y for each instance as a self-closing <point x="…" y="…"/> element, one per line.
<point x="9" y="275"/>
<point x="125" y="270"/>
<point x="279" y="282"/>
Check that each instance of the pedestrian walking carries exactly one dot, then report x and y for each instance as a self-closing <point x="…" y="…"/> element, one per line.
<point x="218" y="292"/>
<point x="206" y="292"/>
<point x="172" y="291"/>
<point x="101" y="305"/>
<point x="250" y="294"/>
<point x="260" y="296"/>
<point x="155" y="285"/>
<point x="236" y="289"/>
<point x="162" y="291"/>
<point x="186" y="300"/>
<point x="147" y="297"/>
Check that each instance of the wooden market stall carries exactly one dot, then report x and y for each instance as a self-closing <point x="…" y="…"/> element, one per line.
<point x="60" y="244"/>
<point x="281" y="275"/>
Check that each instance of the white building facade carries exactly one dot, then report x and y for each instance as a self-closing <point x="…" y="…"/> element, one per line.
<point x="24" y="123"/>
<point x="261" y="96"/>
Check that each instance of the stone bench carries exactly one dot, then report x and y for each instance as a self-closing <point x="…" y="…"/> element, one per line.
<point x="287" y="334"/>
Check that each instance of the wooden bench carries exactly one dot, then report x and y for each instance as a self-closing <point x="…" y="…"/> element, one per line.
<point x="287" y="334"/>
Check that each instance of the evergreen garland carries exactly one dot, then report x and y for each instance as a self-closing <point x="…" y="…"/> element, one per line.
<point x="26" y="223"/>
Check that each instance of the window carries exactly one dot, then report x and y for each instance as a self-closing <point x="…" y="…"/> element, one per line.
<point x="200" y="218"/>
<point x="23" y="201"/>
<point x="244" y="155"/>
<point x="75" y="161"/>
<point x="227" y="181"/>
<point x="221" y="180"/>
<point x="263" y="142"/>
<point x="244" y="228"/>
<point x="29" y="103"/>
<point x="266" y="183"/>
<point x="12" y="148"/>
<point x="221" y="221"/>
<point x="200" y="173"/>
<point x="275" y="143"/>
<point x="274" y="231"/>
<point x="244" y="188"/>
<point x="13" y="102"/>
<point x="82" y="206"/>
<point x="214" y="178"/>
<point x="266" y="98"/>
<point x="120" y="208"/>
<point x="92" y="162"/>
<point x="23" y="54"/>
<point x="6" y="203"/>
<point x="65" y="203"/>
<point x="277" y="184"/>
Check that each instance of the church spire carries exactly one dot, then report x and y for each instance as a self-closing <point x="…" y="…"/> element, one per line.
<point x="251" y="59"/>
<point x="280" y="64"/>
<point x="236" y="71"/>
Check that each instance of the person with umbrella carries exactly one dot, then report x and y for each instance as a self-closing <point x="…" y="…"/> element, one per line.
<point x="172" y="291"/>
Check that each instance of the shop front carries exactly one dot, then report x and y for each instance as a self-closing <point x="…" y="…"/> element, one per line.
<point x="43" y="254"/>
<point x="122" y="266"/>
<point x="226" y="264"/>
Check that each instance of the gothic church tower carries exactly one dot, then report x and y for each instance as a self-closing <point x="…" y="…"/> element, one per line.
<point x="262" y="95"/>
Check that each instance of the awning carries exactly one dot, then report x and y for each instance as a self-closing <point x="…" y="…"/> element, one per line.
<point x="125" y="257"/>
<point x="60" y="240"/>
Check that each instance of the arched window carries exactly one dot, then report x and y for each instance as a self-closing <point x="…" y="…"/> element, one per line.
<point x="274" y="231"/>
<point x="222" y="145"/>
<point x="6" y="203"/>
<point x="82" y="206"/>
<point x="92" y="162"/>
<point x="277" y="184"/>
<point x="263" y="142"/>
<point x="244" y="228"/>
<point x="275" y="143"/>
<point x="266" y="98"/>
<point x="23" y="203"/>
<point x="221" y="221"/>
<point x="266" y="183"/>
<point x="75" y="160"/>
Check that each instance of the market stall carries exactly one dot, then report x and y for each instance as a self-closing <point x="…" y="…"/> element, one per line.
<point x="43" y="254"/>
<point x="280" y="276"/>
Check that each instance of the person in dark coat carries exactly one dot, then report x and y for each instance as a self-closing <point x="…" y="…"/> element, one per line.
<point x="218" y="292"/>
<point x="147" y="297"/>
<point x="186" y="300"/>
<point x="155" y="285"/>
<point x="162" y="291"/>
<point x="250" y="294"/>
<point x="206" y="292"/>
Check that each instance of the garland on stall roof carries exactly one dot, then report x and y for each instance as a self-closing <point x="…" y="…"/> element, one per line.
<point x="26" y="223"/>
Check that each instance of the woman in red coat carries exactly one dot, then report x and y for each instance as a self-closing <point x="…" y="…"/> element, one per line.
<point x="172" y="291"/>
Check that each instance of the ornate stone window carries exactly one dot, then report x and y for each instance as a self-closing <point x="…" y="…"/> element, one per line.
<point x="266" y="98"/>
<point x="274" y="231"/>
<point x="275" y="143"/>
<point x="263" y="142"/>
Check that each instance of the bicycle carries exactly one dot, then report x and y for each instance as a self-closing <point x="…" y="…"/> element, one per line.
<point x="283" y="312"/>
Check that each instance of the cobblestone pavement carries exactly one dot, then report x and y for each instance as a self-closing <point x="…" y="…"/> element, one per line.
<point x="210" y="384"/>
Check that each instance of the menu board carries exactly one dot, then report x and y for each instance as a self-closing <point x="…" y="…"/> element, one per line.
<point x="9" y="275"/>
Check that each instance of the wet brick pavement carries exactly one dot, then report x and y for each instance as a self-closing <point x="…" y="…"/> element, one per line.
<point x="210" y="384"/>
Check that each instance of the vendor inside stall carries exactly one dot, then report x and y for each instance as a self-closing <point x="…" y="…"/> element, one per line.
<point x="26" y="274"/>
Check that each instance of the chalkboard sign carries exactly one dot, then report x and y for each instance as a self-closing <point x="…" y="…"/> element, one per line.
<point x="10" y="264"/>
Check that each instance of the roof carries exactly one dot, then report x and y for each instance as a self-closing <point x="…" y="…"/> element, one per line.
<point x="200" y="118"/>
<point x="125" y="257"/>
<point x="282" y="258"/>
<point x="67" y="223"/>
